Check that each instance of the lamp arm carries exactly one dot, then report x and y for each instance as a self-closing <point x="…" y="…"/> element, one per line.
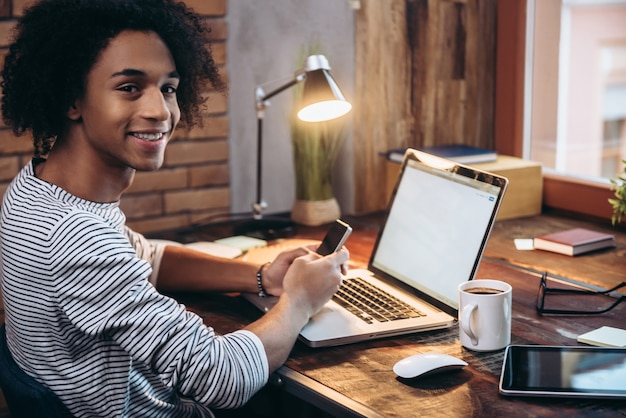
<point x="262" y="97"/>
<point x="261" y="103"/>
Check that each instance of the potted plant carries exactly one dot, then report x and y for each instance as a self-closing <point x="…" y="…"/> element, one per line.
<point x="619" y="203"/>
<point x="315" y="148"/>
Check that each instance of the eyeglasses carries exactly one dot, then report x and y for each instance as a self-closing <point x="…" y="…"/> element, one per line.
<point x="544" y="290"/>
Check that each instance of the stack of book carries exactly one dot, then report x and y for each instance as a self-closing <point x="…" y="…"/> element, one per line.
<point x="459" y="153"/>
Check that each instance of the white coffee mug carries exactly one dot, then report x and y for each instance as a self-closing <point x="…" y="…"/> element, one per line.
<point x="485" y="314"/>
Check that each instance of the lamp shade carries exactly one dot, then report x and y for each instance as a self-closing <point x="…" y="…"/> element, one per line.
<point x="321" y="98"/>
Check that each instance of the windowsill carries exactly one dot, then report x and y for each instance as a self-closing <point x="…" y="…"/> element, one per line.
<point x="577" y="194"/>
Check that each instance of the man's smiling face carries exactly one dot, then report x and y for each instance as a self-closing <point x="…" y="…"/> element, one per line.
<point x="129" y="110"/>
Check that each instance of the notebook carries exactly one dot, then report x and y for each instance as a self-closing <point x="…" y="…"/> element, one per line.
<point x="435" y="230"/>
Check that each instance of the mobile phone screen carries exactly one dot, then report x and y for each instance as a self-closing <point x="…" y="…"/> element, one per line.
<point x="335" y="238"/>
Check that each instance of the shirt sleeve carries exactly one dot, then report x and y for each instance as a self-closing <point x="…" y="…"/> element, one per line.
<point x="104" y="290"/>
<point x="147" y="250"/>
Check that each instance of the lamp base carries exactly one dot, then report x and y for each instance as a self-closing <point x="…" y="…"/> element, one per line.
<point x="266" y="228"/>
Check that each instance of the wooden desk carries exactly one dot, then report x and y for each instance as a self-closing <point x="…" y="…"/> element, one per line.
<point x="602" y="268"/>
<point x="357" y="380"/>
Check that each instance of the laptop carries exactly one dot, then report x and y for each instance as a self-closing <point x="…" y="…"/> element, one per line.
<point x="435" y="230"/>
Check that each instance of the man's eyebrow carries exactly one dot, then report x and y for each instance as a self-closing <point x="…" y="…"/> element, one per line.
<point x="131" y="72"/>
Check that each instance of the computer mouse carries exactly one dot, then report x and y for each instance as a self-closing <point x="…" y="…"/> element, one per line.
<point x="426" y="363"/>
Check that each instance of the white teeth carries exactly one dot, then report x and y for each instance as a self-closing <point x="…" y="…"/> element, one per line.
<point x="148" y="137"/>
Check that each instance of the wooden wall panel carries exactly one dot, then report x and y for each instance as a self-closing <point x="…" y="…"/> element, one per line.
<point x="382" y="118"/>
<point x="425" y="75"/>
<point x="453" y="71"/>
<point x="509" y="97"/>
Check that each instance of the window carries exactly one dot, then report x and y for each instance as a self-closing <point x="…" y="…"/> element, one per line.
<point x="575" y="91"/>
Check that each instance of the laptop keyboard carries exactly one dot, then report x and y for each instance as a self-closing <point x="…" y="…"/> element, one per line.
<point x="370" y="303"/>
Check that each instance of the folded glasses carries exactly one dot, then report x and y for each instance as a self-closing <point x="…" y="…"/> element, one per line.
<point x="544" y="291"/>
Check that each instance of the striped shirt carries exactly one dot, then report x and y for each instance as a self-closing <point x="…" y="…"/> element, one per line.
<point x="83" y="318"/>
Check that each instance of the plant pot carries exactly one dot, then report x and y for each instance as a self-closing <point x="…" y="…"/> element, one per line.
<point x="315" y="212"/>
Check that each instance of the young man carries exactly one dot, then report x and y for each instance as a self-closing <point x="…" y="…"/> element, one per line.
<point x="101" y="85"/>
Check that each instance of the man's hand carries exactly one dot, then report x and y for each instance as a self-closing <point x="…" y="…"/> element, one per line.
<point x="312" y="280"/>
<point x="274" y="274"/>
<point x="305" y="281"/>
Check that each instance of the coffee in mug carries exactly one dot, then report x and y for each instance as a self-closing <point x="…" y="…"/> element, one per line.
<point x="485" y="314"/>
<point x="483" y="291"/>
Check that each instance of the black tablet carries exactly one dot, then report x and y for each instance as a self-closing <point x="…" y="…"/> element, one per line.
<point x="576" y="371"/>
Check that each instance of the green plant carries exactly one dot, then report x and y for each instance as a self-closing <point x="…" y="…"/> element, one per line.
<point x="619" y="203"/>
<point x="315" y="149"/>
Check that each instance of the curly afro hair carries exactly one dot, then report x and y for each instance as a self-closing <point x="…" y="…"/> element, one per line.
<point x="58" y="41"/>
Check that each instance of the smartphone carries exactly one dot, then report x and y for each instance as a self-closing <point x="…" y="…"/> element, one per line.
<point x="564" y="371"/>
<point x="335" y="238"/>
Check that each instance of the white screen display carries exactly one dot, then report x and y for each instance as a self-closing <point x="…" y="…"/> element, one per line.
<point x="435" y="229"/>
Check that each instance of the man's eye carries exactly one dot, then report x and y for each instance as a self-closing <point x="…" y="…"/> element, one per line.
<point x="169" y="89"/>
<point x="128" y="89"/>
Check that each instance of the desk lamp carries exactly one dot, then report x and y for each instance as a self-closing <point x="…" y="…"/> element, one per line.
<point x="321" y="100"/>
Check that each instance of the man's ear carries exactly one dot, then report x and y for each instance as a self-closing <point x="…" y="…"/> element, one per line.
<point x="73" y="113"/>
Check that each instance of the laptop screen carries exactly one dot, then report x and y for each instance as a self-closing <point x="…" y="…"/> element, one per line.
<point x="437" y="225"/>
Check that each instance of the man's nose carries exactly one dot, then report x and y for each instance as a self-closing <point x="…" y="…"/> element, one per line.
<point x="154" y="106"/>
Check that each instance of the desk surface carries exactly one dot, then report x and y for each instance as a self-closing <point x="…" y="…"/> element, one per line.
<point x="357" y="380"/>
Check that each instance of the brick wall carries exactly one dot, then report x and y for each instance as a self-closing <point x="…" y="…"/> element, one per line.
<point x="194" y="181"/>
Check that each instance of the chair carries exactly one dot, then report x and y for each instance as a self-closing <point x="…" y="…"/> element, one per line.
<point x="25" y="396"/>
